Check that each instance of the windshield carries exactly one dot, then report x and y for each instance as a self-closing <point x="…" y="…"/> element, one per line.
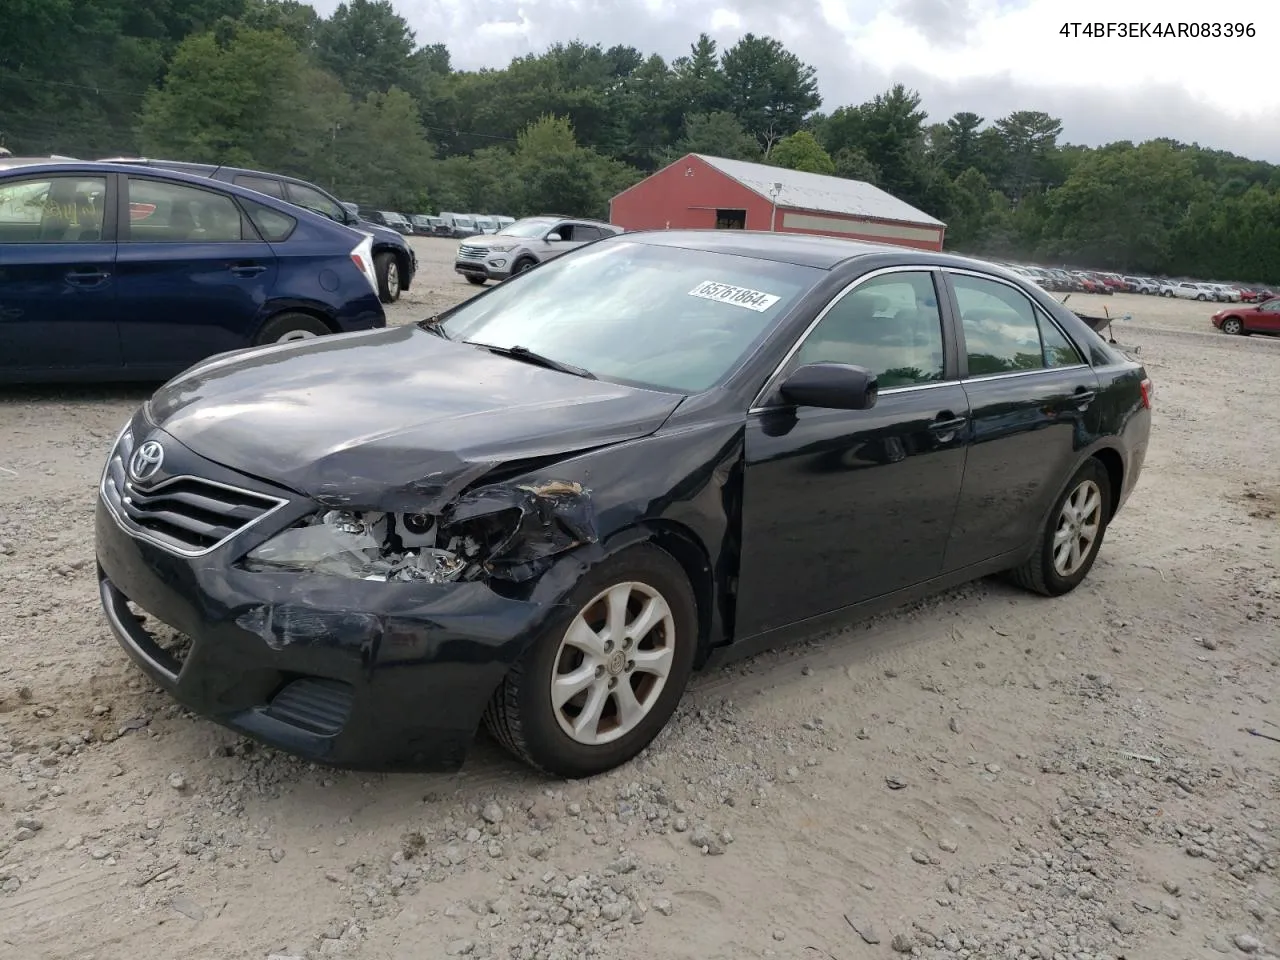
<point x="663" y="317"/>
<point x="464" y="221"/>
<point x="527" y="228"/>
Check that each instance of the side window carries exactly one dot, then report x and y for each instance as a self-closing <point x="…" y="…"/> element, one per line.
<point x="272" y="188"/>
<point x="272" y="224"/>
<point x="315" y="201"/>
<point x="1058" y="350"/>
<point x="53" y="210"/>
<point x="176" y="213"/>
<point x="568" y="232"/>
<point x="586" y="233"/>
<point x="891" y="325"/>
<point x="1001" y="333"/>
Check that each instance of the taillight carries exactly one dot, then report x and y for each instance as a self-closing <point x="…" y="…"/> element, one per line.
<point x="362" y="257"/>
<point x="1148" y="392"/>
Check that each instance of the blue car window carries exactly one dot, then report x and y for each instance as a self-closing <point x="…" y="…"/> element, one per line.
<point x="52" y="210"/>
<point x="176" y="213"/>
<point x="272" y="224"/>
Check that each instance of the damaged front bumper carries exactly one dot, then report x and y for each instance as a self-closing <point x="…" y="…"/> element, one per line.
<point x="365" y="672"/>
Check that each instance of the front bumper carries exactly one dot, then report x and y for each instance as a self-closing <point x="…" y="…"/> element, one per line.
<point x="343" y="672"/>
<point x="495" y="268"/>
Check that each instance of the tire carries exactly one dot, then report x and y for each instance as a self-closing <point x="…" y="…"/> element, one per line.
<point x="522" y="716"/>
<point x="285" y="327"/>
<point x="478" y="281"/>
<point x="1233" y="326"/>
<point x="387" y="269"/>
<point x="523" y="264"/>
<point x="1041" y="572"/>
<point x="1202" y="297"/>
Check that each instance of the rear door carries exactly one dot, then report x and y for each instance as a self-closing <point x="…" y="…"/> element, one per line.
<point x="57" y="273"/>
<point x="1031" y="405"/>
<point x="193" y="274"/>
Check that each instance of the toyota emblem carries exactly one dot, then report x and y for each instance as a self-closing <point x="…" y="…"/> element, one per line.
<point x="146" y="461"/>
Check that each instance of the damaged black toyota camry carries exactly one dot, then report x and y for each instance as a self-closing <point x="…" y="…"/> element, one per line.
<point x="546" y="507"/>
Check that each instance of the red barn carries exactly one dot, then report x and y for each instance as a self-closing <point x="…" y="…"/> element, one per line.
<point x="698" y="191"/>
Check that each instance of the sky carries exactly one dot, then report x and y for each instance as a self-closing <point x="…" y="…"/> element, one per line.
<point x="988" y="56"/>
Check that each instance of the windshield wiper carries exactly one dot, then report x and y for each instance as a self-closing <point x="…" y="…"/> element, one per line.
<point x="529" y="356"/>
<point x="434" y="324"/>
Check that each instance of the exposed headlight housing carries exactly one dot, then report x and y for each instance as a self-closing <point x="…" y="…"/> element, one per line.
<point x="361" y="546"/>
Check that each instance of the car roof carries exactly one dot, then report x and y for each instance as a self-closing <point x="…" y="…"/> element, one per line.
<point x="802" y="249"/>
<point x="89" y="167"/>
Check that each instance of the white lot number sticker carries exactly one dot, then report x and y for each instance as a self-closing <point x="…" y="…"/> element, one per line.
<point x="756" y="300"/>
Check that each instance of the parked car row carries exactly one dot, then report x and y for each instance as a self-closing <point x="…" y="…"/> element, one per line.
<point x="1060" y="279"/>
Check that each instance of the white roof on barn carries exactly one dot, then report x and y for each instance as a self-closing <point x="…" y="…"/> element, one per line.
<point x="816" y="191"/>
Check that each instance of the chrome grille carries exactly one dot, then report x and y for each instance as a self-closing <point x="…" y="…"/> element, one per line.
<point x="467" y="252"/>
<point x="184" y="514"/>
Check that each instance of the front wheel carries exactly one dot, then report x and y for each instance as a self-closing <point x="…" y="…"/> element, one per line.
<point x="472" y="278"/>
<point x="1072" y="536"/>
<point x="387" y="269"/>
<point x="522" y="265"/>
<point x="1232" y="326"/>
<point x="606" y="674"/>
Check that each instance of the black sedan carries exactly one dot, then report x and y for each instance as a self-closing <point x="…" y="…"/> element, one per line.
<point x="547" y="506"/>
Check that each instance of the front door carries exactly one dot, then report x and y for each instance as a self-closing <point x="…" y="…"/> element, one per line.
<point x="57" y="274"/>
<point x="193" y="275"/>
<point x="1266" y="319"/>
<point x="572" y="236"/>
<point x="840" y="506"/>
<point x="1031" y="397"/>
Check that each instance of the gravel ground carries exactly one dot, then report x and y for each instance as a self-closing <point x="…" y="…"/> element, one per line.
<point x="985" y="774"/>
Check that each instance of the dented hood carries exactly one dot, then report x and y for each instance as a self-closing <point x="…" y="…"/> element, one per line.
<point x="393" y="419"/>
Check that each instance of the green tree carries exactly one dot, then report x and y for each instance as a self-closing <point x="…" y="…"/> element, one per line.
<point x="1123" y="206"/>
<point x="1030" y="138"/>
<point x="801" y="151"/>
<point x="368" y="46"/>
<point x="383" y="154"/>
<point x="718" y="134"/>
<point x="769" y="89"/>
<point x="250" y="99"/>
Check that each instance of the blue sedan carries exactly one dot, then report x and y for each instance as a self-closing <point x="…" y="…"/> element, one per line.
<point x="118" y="272"/>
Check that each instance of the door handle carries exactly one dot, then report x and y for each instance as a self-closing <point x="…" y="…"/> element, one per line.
<point x="947" y="422"/>
<point x="86" y="277"/>
<point x="247" y="269"/>
<point x="1083" y="396"/>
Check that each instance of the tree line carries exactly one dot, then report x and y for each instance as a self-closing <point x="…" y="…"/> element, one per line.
<point x="358" y="103"/>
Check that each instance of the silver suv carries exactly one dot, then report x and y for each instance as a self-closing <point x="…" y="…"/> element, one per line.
<point x="524" y="244"/>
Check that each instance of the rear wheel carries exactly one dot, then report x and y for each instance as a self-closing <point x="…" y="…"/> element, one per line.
<point x="1233" y="326"/>
<point x="606" y="673"/>
<point x="387" y="269"/>
<point x="286" y="327"/>
<point x="1072" y="536"/>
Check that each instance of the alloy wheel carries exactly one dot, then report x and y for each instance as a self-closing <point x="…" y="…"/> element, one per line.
<point x="1232" y="326"/>
<point x="613" y="663"/>
<point x="393" y="279"/>
<point x="1079" y="522"/>
<point x="296" y="335"/>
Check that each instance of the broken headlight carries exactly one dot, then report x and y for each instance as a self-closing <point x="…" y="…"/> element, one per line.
<point x="385" y="547"/>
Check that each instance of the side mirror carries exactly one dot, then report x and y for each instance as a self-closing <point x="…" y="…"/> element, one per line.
<point x="552" y="237"/>
<point x="835" y="386"/>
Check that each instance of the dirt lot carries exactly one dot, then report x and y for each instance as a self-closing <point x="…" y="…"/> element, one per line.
<point x="1078" y="777"/>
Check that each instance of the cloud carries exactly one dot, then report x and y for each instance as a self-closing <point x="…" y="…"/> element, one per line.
<point x="988" y="56"/>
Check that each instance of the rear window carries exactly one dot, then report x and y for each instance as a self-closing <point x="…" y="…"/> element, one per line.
<point x="272" y="224"/>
